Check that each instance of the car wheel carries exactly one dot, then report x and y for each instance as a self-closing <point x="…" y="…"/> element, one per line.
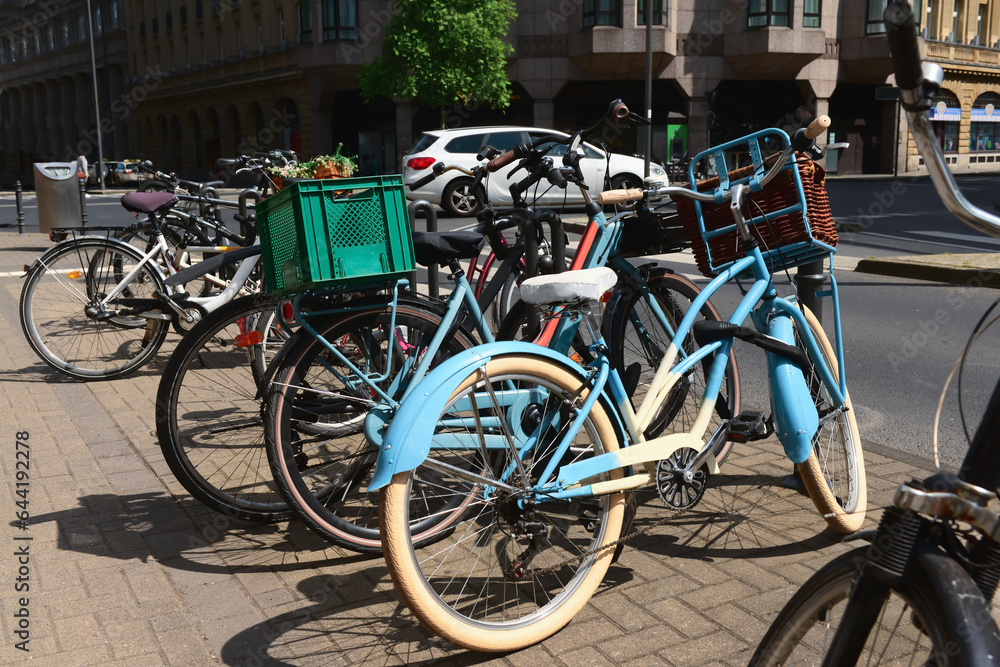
<point x="458" y="199"/>
<point x="625" y="182"/>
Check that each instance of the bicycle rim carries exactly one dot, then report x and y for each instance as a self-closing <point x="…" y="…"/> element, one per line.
<point x="505" y="575"/>
<point x="54" y="311"/>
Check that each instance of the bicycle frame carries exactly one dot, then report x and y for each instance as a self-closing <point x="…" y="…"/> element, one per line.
<point x="597" y="249"/>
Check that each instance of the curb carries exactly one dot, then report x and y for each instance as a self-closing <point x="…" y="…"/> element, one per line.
<point x="921" y="269"/>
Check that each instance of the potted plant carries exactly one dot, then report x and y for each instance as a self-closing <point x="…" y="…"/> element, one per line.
<point x="337" y="165"/>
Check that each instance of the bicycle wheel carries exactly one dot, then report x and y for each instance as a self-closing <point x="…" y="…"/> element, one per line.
<point x="319" y="443"/>
<point x="506" y="574"/>
<point x="925" y="620"/>
<point x="638" y="342"/>
<point x="208" y="420"/>
<point x="67" y="328"/>
<point x="834" y="473"/>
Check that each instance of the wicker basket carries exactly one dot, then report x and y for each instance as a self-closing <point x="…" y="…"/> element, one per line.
<point x="787" y="240"/>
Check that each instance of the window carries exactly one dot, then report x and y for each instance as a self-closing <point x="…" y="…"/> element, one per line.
<point x="340" y="20"/>
<point x="184" y="14"/>
<point x="602" y="12"/>
<point x="98" y="28"/>
<point x="659" y="12"/>
<point x="873" y="17"/>
<point x="305" y="22"/>
<point x="142" y="30"/>
<point x="3" y="58"/>
<point x="50" y="38"/>
<point x="504" y="141"/>
<point x="468" y="144"/>
<point x="36" y="43"/>
<point x="984" y="133"/>
<point x="156" y="25"/>
<point x="63" y="32"/>
<point x="811" y="10"/>
<point x="12" y="49"/>
<point x="114" y="15"/>
<point x="199" y="13"/>
<point x="946" y="114"/>
<point x="170" y="20"/>
<point x="81" y="28"/>
<point x="763" y="13"/>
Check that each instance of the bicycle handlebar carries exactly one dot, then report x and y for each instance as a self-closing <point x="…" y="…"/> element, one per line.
<point x="917" y="86"/>
<point x="817" y="127"/>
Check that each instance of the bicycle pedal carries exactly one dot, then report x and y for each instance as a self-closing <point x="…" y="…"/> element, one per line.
<point x="747" y="427"/>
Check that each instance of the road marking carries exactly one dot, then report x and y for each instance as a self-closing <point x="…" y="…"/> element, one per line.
<point x="958" y="237"/>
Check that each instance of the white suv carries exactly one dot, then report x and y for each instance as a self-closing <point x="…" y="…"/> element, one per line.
<point x="451" y="190"/>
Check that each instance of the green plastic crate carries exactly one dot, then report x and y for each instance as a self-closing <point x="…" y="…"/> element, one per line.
<point x="335" y="232"/>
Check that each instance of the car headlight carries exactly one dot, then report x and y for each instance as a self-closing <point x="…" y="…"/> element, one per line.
<point x="656" y="170"/>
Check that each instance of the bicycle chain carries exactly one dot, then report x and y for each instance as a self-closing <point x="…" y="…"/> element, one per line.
<point x="531" y="574"/>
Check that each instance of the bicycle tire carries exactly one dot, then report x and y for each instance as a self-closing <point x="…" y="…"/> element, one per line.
<point x="834" y="473"/>
<point x="937" y="592"/>
<point x="484" y="536"/>
<point x="320" y="456"/>
<point x="208" y="419"/>
<point x="628" y="321"/>
<point x="55" y="320"/>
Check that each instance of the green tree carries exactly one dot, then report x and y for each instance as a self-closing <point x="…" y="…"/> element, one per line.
<point x="442" y="52"/>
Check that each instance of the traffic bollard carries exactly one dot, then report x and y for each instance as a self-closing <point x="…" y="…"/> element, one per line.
<point x="809" y="278"/>
<point x="430" y="213"/>
<point x="20" y="208"/>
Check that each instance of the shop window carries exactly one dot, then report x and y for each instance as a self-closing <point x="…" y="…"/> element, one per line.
<point x="945" y="115"/>
<point x="984" y="132"/>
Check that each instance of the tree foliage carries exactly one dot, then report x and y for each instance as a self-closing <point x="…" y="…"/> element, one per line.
<point x="444" y="51"/>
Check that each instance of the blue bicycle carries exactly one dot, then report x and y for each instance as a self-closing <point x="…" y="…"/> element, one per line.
<point x="541" y="450"/>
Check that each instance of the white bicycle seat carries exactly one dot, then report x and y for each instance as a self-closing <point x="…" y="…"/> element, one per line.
<point x="568" y="288"/>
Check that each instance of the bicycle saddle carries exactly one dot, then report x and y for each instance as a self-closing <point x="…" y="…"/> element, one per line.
<point x="443" y="247"/>
<point x="148" y="202"/>
<point x="568" y="288"/>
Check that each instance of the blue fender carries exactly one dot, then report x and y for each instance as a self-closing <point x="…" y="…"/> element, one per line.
<point x="407" y="440"/>
<point x="795" y="416"/>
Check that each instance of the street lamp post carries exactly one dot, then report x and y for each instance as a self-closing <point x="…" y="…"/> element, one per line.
<point x="99" y="167"/>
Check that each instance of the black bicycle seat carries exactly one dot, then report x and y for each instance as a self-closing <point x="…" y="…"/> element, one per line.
<point x="443" y="247"/>
<point x="148" y="202"/>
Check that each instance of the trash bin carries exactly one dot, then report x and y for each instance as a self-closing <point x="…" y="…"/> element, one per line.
<point x="57" y="191"/>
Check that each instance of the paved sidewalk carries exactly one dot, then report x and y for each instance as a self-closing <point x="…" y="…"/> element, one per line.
<point x="125" y="569"/>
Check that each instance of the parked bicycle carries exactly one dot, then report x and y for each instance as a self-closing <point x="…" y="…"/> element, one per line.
<point x="541" y="450"/>
<point x="95" y="307"/>
<point x="921" y="593"/>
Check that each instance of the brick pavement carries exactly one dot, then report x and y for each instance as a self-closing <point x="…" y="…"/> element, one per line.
<point x="126" y="569"/>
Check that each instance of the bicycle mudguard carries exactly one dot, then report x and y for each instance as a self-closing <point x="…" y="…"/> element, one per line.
<point x="213" y="263"/>
<point x="408" y="438"/>
<point x="795" y="416"/>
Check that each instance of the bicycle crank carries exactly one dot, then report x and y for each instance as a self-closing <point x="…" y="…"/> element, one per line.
<point x="679" y="486"/>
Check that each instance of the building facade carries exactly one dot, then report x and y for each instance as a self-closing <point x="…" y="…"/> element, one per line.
<point x="47" y="89"/>
<point x="187" y="81"/>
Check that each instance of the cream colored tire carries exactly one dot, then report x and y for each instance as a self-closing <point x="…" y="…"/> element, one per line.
<point x="834" y="473"/>
<point x="404" y="561"/>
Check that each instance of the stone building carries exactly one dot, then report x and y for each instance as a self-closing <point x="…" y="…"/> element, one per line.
<point x="192" y="80"/>
<point x="47" y="85"/>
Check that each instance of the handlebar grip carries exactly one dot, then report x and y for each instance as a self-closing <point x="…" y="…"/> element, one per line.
<point x="225" y="163"/>
<point x="817" y="127"/>
<point x="901" y="32"/>
<point x="619" y="196"/>
<point x="416" y="185"/>
<point x="500" y="162"/>
<point x="619" y="110"/>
